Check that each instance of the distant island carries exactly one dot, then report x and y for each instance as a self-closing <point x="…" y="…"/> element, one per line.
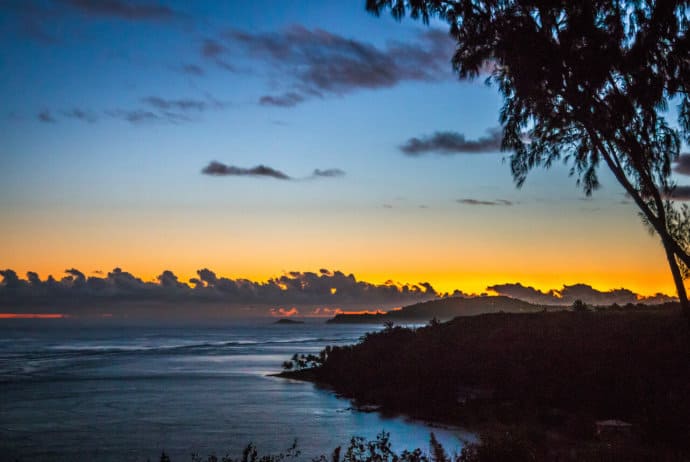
<point x="444" y="310"/>
<point x="288" y="321"/>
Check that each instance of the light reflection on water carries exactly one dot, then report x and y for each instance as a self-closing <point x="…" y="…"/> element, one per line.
<point x="127" y="394"/>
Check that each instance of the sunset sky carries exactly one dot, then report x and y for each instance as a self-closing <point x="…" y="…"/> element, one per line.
<point x="130" y="135"/>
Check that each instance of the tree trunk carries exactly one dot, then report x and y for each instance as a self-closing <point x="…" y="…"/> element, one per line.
<point x="671" y="247"/>
<point x="678" y="280"/>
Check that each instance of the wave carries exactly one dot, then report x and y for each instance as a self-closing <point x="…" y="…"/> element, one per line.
<point x="60" y="355"/>
<point x="137" y="348"/>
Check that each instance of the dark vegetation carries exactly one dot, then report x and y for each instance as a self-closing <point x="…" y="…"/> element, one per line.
<point x="514" y="447"/>
<point x="508" y="447"/>
<point x="303" y="362"/>
<point x="556" y="372"/>
<point x="443" y="309"/>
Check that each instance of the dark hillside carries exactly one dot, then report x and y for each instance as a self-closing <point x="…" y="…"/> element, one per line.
<point x="564" y="368"/>
<point x="443" y="309"/>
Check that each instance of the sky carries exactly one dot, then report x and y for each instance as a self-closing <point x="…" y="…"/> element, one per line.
<point x="260" y="138"/>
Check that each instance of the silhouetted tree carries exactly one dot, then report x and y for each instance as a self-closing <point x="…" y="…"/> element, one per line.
<point x="302" y="361"/>
<point x="579" y="306"/>
<point x="587" y="82"/>
<point x="438" y="453"/>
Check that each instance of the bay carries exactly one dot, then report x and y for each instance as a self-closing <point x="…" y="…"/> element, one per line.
<point x="108" y="393"/>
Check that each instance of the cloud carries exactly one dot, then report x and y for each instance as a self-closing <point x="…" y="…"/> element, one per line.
<point x="191" y="69"/>
<point x="569" y="293"/>
<point x="484" y="202"/>
<point x="315" y="62"/>
<point x="11" y="280"/>
<point x="167" y="110"/>
<point x="50" y="21"/>
<point x="168" y="279"/>
<point x="212" y="49"/>
<point x="326" y="311"/>
<point x="448" y="143"/>
<point x="46" y="117"/>
<point x="324" y="292"/>
<point x="683" y="164"/>
<point x="135" y="116"/>
<point x="127" y="10"/>
<point x="80" y="115"/>
<point x="219" y="169"/>
<point x="282" y="312"/>
<point x="78" y="278"/>
<point x="328" y="173"/>
<point x="29" y="19"/>
<point x="293" y="289"/>
<point x="215" y="168"/>
<point x="288" y="99"/>
<point x="187" y="104"/>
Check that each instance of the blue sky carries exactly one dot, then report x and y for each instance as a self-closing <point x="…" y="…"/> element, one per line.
<point x="112" y="110"/>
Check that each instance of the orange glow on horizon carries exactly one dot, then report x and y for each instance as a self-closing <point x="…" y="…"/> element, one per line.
<point x="283" y="313"/>
<point x="362" y="312"/>
<point x="33" y="316"/>
<point x="443" y="280"/>
<point x="468" y="249"/>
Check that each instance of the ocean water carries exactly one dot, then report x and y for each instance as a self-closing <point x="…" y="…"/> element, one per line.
<point x="75" y="393"/>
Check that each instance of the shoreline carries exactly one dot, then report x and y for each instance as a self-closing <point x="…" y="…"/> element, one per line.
<point x="469" y="435"/>
<point x="428" y="417"/>
<point x="438" y="375"/>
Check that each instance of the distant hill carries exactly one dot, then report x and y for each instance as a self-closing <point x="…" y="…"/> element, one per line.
<point x="443" y="310"/>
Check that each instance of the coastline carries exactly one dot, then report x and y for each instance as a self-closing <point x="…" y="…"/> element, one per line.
<point x="618" y="347"/>
<point x="467" y="435"/>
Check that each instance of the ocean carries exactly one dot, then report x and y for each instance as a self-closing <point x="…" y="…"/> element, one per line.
<point x="83" y="393"/>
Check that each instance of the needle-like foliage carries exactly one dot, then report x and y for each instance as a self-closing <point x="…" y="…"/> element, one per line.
<point x="584" y="82"/>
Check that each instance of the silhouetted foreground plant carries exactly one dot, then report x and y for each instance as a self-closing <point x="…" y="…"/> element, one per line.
<point x="360" y="449"/>
<point x="504" y="447"/>
<point x="249" y="454"/>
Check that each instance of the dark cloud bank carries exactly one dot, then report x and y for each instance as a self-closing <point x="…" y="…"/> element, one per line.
<point x="307" y="293"/>
<point x="216" y="168"/>
<point x="568" y="294"/>
<point x="325" y="289"/>
<point x="315" y="63"/>
<point x="449" y="143"/>
<point x="468" y="201"/>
